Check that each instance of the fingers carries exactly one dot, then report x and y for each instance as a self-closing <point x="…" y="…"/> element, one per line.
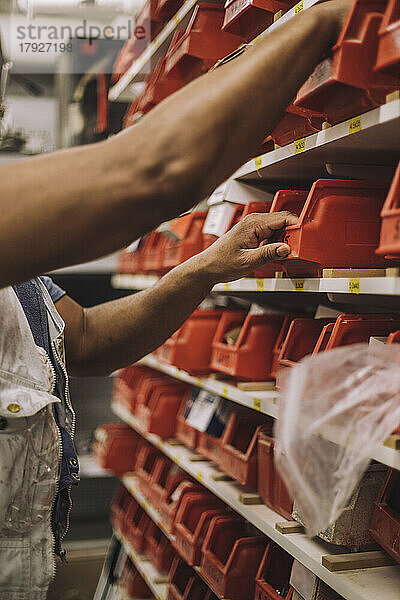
<point x="267" y="253"/>
<point x="265" y="225"/>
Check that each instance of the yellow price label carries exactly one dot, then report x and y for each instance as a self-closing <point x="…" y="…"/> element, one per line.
<point x="354" y="285"/>
<point x="176" y="460"/>
<point x="299" y="285"/>
<point x="257" y="403"/>
<point x="258" y="162"/>
<point x="260" y="285"/>
<point x="355" y="124"/>
<point x="199" y="382"/>
<point x="200" y="476"/>
<point x="299" y="7"/>
<point x="300" y="146"/>
<point x="176" y="19"/>
<point x="226" y="287"/>
<point x="225" y="391"/>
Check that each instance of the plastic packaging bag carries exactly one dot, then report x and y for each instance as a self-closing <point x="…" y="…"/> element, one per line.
<point x="336" y="408"/>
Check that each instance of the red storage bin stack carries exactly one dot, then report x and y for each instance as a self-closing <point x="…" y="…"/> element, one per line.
<point x="271" y="487"/>
<point x="190" y="240"/>
<point x="158" y="548"/>
<point x="136" y="523"/>
<point x="385" y="525"/>
<point x="115" y="447"/>
<point x="184" y="432"/>
<point x="145" y="466"/>
<point x="345" y="84"/>
<point x="231" y="557"/>
<point x="251" y="356"/>
<point x="192" y="520"/>
<point x="132" y="582"/>
<point x="158" y="410"/>
<point x="388" y="54"/>
<point x="119" y="506"/>
<point x="300" y="341"/>
<point x="272" y="580"/>
<point x="355" y="329"/>
<point x="176" y="487"/>
<point x="196" y="50"/>
<point x="389" y="245"/>
<point x="338" y="227"/>
<point x="184" y="583"/>
<point x="190" y="347"/>
<point x="238" y="453"/>
<point x="248" y="19"/>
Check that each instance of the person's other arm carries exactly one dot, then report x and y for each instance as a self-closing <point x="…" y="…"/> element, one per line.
<point x="79" y="204"/>
<point x="112" y="335"/>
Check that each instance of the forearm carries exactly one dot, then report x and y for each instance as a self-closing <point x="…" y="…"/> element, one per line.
<point x="121" y="332"/>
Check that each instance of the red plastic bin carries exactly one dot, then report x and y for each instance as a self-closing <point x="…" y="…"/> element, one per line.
<point x="190" y="243"/>
<point x="271" y="487"/>
<point x="251" y="356"/>
<point x="238" y="453"/>
<point x="296" y="123"/>
<point x="389" y="245"/>
<point x="176" y="487"/>
<point x="159" y="477"/>
<point x="345" y="84"/>
<point x="126" y="384"/>
<point x="159" y="410"/>
<point x="249" y="18"/>
<point x="272" y="580"/>
<point x="196" y="50"/>
<point x="159" y="86"/>
<point x="231" y="556"/>
<point x="190" y="348"/>
<point x="385" y="525"/>
<point x="119" y="506"/>
<point x="209" y="446"/>
<point x="132" y="582"/>
<point x="184" y="432"/>
<point x="184" y="583"/>
<point x="355" y="329"/>
<point x="192" y="520"/>
<point x="388" y="54"/>
<point x="136" y="523"/>
<point x="145" y="466"/>
<point x="153" y="253"/>
<point x="279" y="343"/>
<point x="115" y="447"/>
<point x="300" y="341"/>
<point x="158" y="548"/>
<point x="338" y="226"/>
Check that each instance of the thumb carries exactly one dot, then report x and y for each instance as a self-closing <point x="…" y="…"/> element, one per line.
<point x="268" y="253"/>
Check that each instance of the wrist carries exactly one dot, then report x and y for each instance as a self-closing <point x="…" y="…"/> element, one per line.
<point x="197" y="273"/>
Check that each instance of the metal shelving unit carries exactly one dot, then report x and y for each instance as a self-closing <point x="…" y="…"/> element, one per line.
<point x="360" y="584"/>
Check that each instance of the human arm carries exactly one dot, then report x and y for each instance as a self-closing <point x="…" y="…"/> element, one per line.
<point x="112" y="335"/>
<point x="75" y="205"/>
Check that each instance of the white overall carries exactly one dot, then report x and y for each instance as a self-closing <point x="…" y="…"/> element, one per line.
<point x="30" y="453"/>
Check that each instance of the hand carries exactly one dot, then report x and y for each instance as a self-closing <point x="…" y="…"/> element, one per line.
<point x="238" y="252"/>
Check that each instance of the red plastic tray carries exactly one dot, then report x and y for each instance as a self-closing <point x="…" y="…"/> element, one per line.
<point x="272" y="580"/>
<point x="192" y="520"/>
<point x="176" y="487"/>
<point x="238" y="454"/>
<point x="159" y="410"/>
<point x="209" y="446"/>
<point x="158" y="548"/>
<point x="385" y="525"/>
<point x="355" y="329"/>
<point x="300" y="341"/>
<point x="338" y="227"/>
<point x="271" y="487"/>
<point x="231" y="557"/>
<point x="136" y="523"/>
<point x="248" y="18"/>
<point x="191" y="242"/>
<point x="345" y="84"/>
<point x="184" y="583"/>
<point x="388" y="54"/>
<point x="251" y="356"/>
<point x="184" y="432"/>
<point x="197" y="49"/>
<point x="190" y="348"/>
<point x="145" y="465"/>
<point x="115" y="447"/>
<point x="132" y="582"/>
<point x="389" y="245"/>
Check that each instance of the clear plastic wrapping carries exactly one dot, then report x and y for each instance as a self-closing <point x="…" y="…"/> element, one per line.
<point x="336" y="408"/>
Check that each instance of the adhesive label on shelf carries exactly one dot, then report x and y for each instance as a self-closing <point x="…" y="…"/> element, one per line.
<point x="260" y="285"/>
<point x="257" y="403"/>
<point x="354" y="285"/>
<point x="258" y="162"/>
<point x="299" y="7"/>
<point x="300" y="146"/>
<point x="355" y="124"/>
<point x="299" y="285"/>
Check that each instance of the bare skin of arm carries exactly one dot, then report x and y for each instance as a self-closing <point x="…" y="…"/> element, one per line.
<point x="75" y="205"/>
<point x="112" y="335"/>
